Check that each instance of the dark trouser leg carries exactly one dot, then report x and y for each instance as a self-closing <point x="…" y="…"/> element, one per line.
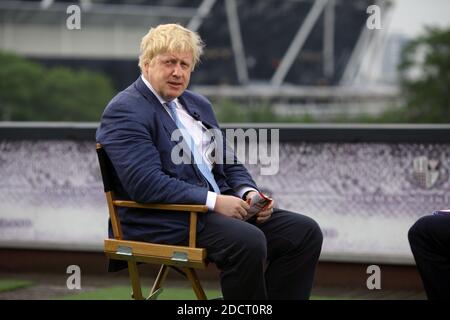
<point x="294" y="242"/>
<point x="239" y="251"/>
<point x="429" y="238"/>
<point x="291" y="242"/>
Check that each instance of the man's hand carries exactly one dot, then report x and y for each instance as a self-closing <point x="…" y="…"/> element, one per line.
<point x="231" y="206"/>
<point x="262" y="216"/>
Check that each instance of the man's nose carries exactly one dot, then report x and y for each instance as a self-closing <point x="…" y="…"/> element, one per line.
<point x="177" y="70"/>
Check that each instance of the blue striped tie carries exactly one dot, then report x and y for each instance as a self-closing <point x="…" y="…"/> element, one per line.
<point x="202" y="166"/>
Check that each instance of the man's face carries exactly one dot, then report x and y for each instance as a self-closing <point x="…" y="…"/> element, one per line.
<point x="169" y="73"/>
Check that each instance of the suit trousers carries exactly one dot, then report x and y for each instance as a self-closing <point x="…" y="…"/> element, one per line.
<point x="429" y="239"/>
<point x="271" y="260"/>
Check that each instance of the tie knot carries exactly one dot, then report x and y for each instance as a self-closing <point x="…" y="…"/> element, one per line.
<point x="172" y="105"/>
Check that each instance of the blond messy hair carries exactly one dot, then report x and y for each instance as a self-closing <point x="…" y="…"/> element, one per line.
<point x="170" y="38"/>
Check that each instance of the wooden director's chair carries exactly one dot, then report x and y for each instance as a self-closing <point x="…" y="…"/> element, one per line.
<point x="184" y="259"/>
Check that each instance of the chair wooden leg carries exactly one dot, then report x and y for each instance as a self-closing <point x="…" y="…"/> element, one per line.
<point x="159" y="281"/>
<point x="135" y="282"/>
<point x="196" y="286"/>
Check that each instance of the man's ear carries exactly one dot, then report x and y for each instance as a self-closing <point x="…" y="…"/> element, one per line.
<point x="145" y="69"/>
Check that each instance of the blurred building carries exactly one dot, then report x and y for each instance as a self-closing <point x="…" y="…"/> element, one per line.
<point x="299" y="55"/>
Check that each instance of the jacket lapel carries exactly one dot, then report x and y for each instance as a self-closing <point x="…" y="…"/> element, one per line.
<point x="166" y="119"/>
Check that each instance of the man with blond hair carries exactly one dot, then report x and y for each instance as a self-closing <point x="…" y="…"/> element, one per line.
<point x="273" y="255"/>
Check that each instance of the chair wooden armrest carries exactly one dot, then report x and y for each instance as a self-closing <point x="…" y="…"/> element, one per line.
<point x="160" y="206"/>
<point x="191" y="208"/>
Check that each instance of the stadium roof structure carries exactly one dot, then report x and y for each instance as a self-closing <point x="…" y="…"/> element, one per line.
<point x="265" y="47"/>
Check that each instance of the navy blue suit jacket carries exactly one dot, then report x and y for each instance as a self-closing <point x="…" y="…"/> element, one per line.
<point x="135" y="131"/>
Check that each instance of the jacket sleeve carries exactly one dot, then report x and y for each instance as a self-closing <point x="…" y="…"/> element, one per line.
<point x="127" y="140"/>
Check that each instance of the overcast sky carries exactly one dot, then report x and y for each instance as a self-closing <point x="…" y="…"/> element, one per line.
<point x="410" y="16"/>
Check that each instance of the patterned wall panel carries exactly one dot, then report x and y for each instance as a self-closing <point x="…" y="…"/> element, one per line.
<point x="365" y="196"/>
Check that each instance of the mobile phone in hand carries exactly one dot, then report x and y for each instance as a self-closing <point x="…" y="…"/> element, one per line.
<point x="257" y="203"/>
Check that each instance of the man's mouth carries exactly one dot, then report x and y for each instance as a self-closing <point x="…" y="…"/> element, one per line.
<point x="175" y="84"/>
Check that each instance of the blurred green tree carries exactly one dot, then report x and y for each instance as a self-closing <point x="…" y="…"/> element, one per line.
<point x="31" y="92"/>
<point x="425" y="77"/>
